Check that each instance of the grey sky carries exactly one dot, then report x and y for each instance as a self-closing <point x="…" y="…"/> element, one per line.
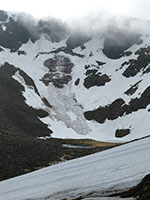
<point x="67" y="9"/>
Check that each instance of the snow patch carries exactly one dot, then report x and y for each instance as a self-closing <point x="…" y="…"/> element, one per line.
<point x="118" y="168"/>
<point x="4" y="27"/>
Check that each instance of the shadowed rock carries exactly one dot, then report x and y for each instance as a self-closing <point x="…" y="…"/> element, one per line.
<point x="3" y="16"/>
<point x="59" y="74"/>
<point x="95" y="80"/>
<point x="141" y="64"/>
<point x="122" y="133"/>
<point x="14" y="34"/>
<point x="15" y="114"/>
<point x="118" y="108"/>
<point x="77" y="39"/>
<point x="117" y="41"/>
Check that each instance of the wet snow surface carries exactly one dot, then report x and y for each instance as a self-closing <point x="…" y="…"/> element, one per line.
<point x="117" y="168"/>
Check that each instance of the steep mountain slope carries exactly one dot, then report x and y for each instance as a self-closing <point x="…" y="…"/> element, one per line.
<point x="85" y="86"/>
<point x="94" y="176"/>
<point x="77" y="84"/>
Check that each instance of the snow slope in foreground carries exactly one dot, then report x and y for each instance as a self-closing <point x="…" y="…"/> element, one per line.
<point x="117" y="168"/>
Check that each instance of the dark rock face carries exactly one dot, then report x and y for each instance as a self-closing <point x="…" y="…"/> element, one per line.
<point x="139" y="64"/>
<point x="13" y="34"/>
<point x="46" y="102"/>
<point x="122" y="133"/>
<point x="119" y="108"/>
<point x="60" y="69"/>
<point x="127" y="53"/>
<point x="76" y="40"/>
<point x="100" y="63"/>
<point x="77" y="82"/>
<point x="132" y="89"/>
<point x="3" y="16"/>
<point x="95" y="80"/>
<point x="15" y="115"/>
<point x="108" y="112"/>
<point x="91" y="71"/>
<point x="21" y="53"/>
<point x="41" y="113"/>
<point x="64" y="49"/>
<point x="117" y="41"/>
<point x="87" y="66"/>
<point x="67" y="51"/>
<point x="94" y="77"/>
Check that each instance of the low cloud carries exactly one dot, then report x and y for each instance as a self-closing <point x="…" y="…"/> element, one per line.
<point x="52" y="28"/>
<point x="98" y="23"/>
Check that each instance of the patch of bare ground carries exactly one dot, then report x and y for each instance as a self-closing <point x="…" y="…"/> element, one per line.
<point x="24" y="153"/>
<point x="89" y="142"/>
